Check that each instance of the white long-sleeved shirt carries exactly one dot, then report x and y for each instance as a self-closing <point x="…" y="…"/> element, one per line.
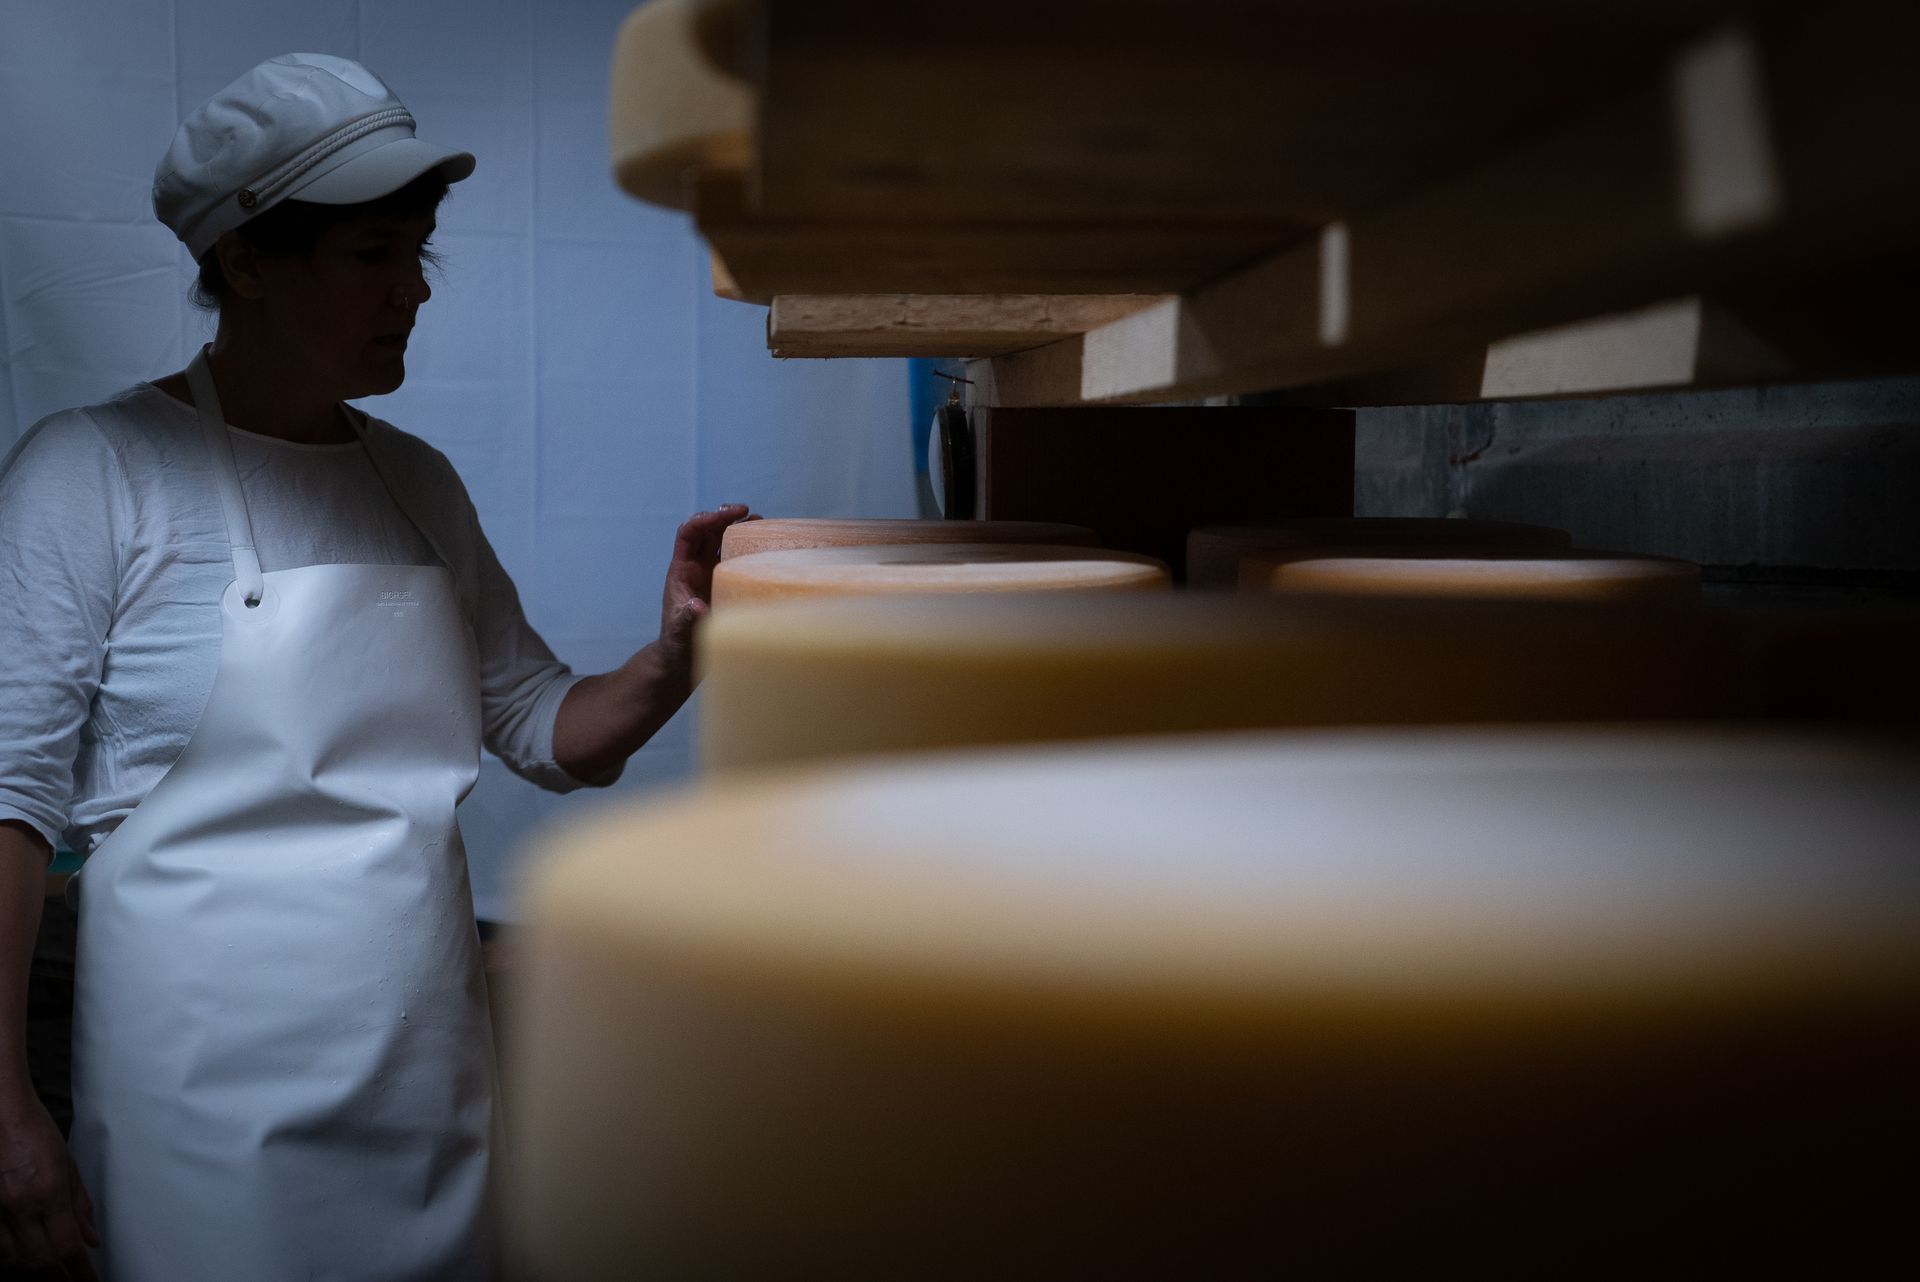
<point x="113" y="556"/>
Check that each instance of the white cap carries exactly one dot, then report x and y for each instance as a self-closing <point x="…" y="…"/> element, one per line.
<point x="310" y="125"/>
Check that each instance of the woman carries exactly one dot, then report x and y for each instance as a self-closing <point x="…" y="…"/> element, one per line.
<point x="258" y="642"/>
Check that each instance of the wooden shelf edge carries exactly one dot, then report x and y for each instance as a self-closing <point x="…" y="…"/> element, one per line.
<point x="812" y="325"/>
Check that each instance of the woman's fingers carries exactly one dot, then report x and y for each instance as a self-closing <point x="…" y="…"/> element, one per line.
<point x="82" y="1206"/>
<point x="61" y="1246"/>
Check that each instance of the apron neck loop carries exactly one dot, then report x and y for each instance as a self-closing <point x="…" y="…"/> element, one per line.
<point x="213" y="428"/>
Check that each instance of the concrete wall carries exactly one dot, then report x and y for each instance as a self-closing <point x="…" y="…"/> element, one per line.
<point x="1816" y="482"/>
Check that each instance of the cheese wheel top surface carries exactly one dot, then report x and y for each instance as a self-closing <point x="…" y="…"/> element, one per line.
<point x="1214" y="552"/>
<point x="1283" y="867"/>
<point x="1597" y="577"/>
<point x="778" y="534"/>
<point x="932" y="568"/>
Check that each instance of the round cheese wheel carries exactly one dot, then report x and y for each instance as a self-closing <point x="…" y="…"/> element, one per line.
<point x="786" y="681"/>
<point x="1330" y="1002"/>
<point x="780" y="534"/>
<point x="932" y="568"/>
<point x="672" y="112"/>
<point x="1651" y="585"/>
<point x="1214" y="553"/>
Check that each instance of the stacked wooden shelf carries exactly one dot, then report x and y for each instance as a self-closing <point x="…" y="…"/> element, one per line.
<point x="1362" y="200"/>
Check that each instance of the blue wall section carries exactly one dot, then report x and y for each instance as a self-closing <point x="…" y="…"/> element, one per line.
<point x="573" y="362"/>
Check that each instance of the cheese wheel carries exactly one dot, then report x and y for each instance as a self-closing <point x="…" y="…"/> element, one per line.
<point x="672" y="113"/>
<point x="932" y="568"/>
<point x="1644" y="584"/>
<point x="781" y="534"/>
<point x="1214" y="553"/>
<point x="1361" y="1003"/>
<point x="786" y="681"/>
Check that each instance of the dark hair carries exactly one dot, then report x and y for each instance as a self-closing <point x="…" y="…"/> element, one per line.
<point x="293" y="227"/>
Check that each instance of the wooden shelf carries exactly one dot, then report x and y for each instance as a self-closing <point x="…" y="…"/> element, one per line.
<point x="937" y="324"/>
<point x="1339" y="197"/>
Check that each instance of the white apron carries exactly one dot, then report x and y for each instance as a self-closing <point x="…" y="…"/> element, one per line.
<point x="282" y="1062"/>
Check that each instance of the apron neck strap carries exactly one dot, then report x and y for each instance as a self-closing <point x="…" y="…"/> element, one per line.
<point x="213" y="428"/>
<point x="383" y="468"/>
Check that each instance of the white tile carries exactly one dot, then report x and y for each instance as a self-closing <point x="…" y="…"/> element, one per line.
<point x="82" y="137"/>
<point x="475" y="327"/>
<point x="52" y="38"/>
<point x="589" y="654"/>
<point x="450" y="47"/>
<point x="599" y="577"/>
<point x="574" y="191"/>
<point x="797" y="438"/>
<point x="220" y="39"/>
<point x="609" y="447"/>
<point x="497" y="198"/>
<point x="90" y="308"/>
<point x="609" y="310"/>
<point x="573" y="46"/>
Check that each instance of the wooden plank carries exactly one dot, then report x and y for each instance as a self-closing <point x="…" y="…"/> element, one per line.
<point x="1034" y="110"/>
<point x="1619" y="208"/>
<point x="770" y="256"/>
<point x="936" y="324"/>
<point x="1752" y="336"/>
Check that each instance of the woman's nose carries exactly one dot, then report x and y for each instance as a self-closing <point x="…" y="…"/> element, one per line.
<point x="412" y="293"/>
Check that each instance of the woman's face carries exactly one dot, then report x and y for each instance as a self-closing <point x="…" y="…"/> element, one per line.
<point x="344" y="311"/>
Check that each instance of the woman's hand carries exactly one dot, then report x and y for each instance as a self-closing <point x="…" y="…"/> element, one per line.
<point x="46" y="1217"/>
<point x="605" y="718"/>
<point x="696" y="549"/>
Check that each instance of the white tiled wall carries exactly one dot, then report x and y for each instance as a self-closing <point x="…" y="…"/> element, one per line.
<point x="573" y="362"/>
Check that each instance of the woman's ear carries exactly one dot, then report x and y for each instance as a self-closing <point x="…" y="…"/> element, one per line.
<point x="240" y="264"/>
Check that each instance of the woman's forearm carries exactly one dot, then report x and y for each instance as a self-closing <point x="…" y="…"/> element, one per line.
<point x="23" y="883"/>
<point x="605" y="718"/>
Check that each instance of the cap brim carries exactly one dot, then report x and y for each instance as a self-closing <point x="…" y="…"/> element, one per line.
<point x="382" y="171"/>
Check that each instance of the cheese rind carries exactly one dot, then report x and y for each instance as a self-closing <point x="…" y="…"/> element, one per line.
<point x="671" y="113"/>
<point x="1214" y="552"/>
<point x="795" y="680"/>
<point x="782" y="533"/>
<point x="1649" y="585"/>
<point x="932" y="568"/>
<point x="1227" y="1004"/>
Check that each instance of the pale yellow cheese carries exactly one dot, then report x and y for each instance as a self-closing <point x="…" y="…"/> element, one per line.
<point x="1648" y="585"/>
<point x="1214" y="553"/>
<point x="782" y="533"/>
<point x="932" y="568"/>
<point x="1376" y="1004"/>
<point x="792" y="680"/>
<point x="672" y="113"/>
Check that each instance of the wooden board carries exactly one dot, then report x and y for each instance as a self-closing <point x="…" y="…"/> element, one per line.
<point x="770" y="256"/>
<point x="1700" y="180"/>
<point x="1748" y="336"/>
<point x="937" y="324"/>
<point x="1035" y="110"/>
